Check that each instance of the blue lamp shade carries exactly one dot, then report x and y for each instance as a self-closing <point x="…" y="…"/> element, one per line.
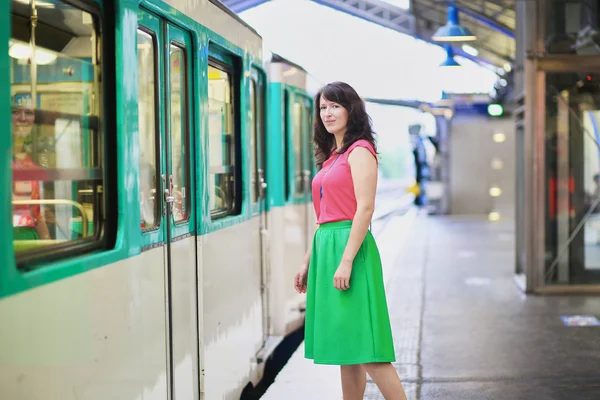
<point x="453" y="31"/>
<point x="449" y="61"/>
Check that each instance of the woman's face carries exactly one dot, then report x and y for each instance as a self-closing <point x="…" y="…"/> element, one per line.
<point x="333" y="115"/>
<point x="22" y="121"/>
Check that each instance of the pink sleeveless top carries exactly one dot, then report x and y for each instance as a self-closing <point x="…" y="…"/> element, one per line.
<point x="338" y="202"/>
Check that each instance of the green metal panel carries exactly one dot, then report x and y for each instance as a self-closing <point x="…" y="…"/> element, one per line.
<point x="300" y="96"/>
<point x="275" y="146"/>
<point x="8" y="273"/>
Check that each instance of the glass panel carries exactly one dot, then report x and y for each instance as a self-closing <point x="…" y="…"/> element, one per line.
<point x="569" y="24"/>
<point x="308" y="156"/>
<point x="573" y="165"/>
<point x="56" y="127"/>
<point x="221" y="142"/>
<point x="253" y="141"/>
<point x="179" y="136"/>
<point x="298" y="153"/>
<point x="260" y="123"/>
<point x="149" y="198"/>
<point x="286" y="143"/>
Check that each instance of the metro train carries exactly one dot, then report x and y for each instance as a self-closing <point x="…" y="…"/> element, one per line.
<point x="157" y="177"/>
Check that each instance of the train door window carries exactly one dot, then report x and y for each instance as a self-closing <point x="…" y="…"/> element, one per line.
<point x="286" y="141"/>
<point x="297" y="136"/>
<point x="147" y="115"/>
<point x="257" y="107"/>
<point x="179" y="130"/>
<point x="307" y="140"/>
<point x="58" y="162"/>
<point x="253" y="141"/>
<point x="224" y="187"/>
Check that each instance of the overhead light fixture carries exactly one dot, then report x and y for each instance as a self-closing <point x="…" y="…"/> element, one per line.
<point x="22" y="51"/>
<point x="495" y="191"/>
<point x="499" y="137"/>
<point x="494" y="216"/>
<point x="449" y="61"/>
<point x="470" y="50"/>
<point x="453" y="31"/>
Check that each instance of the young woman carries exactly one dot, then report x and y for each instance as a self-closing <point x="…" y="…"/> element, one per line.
<point x="347" y="321"/>
<point x="28" y="222"/>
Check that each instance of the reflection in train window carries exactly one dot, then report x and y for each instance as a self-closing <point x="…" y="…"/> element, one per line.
<point x="149" y="200"/>
<point x="297" y="134"/>
<point x="253" y="141"/>
<point x="179" y="132"/>
<point x="224" y="196"/>
<point x="57" y="158"/>
<point x="257" y="135"/>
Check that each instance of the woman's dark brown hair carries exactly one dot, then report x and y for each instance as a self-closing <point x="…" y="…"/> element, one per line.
<point x="359" y="123"/>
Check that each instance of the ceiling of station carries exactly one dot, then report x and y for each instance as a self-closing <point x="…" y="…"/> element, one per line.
<point x="492" y="21"/>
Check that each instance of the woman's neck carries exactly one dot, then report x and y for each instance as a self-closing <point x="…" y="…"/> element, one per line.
<point x="339" y="140"/>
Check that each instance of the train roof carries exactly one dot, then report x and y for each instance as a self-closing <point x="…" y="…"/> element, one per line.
<point x="234" y="15"/>
<point x="218" y="18"/>
<point x="276" y="58"/>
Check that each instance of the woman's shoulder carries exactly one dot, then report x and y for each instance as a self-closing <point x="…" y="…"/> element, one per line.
<point x="362" y="143"/>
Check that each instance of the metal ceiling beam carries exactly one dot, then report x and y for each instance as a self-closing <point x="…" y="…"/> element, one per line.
<point x="397" y="102"/>
<point x="487" y="21"/>
<point x="376" y="11"/>
<point x="371" y="11"/>
<point x="238" y="6"/>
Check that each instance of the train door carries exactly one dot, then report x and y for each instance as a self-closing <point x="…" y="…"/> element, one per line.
<point x="307" y="161"/>
<point x="165" y="123"/>
<point x="259" y="185"/>
<point x="302" y="173"/>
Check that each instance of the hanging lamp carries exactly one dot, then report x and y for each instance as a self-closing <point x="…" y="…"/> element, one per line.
<point x="449" y="61"/>
<point x="453" y="31"/>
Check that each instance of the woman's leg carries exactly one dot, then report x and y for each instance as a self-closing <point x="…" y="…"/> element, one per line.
<point x="387" y="380"/>
<point x="354" y="381"/>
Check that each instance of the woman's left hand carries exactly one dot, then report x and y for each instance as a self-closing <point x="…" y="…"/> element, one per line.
<point x="341" y="279"/>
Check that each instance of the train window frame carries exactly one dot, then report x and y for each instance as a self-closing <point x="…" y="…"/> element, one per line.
<point x="258" y="78"/>
<point x="157" y="123"/>
<point x="186" y="107"/>
<point x="230" y="65"/>
<point x="105" y="209"/>
<point x="287" y="142"/>
<point x="298" y="147"/>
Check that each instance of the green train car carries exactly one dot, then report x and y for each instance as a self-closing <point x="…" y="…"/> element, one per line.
<point x="155" y="197"/>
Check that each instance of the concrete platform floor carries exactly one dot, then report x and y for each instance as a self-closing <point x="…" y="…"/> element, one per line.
<point x="462" y="329"/>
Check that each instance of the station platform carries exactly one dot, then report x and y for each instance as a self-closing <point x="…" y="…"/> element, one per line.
<point x="462" y="328"/>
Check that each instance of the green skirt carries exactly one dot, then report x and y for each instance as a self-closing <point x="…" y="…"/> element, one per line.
<point x="346" y="326"/>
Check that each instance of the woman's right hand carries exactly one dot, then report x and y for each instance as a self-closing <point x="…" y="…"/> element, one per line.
<point x="301" y="279"/>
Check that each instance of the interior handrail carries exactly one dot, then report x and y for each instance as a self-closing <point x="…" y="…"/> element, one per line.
<point x="84" y="218"/>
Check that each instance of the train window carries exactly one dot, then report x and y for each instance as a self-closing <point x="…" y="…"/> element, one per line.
<point x="146" y="58"/>
<point x="286" y="141"/>
<point x="297" y="136"/>
<point x="224" y="196"/>
<point x="308" y="144"/>
<point x="254" y="140"/>
<point x="179" y="132"/>
<point x="57" y="134"/>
